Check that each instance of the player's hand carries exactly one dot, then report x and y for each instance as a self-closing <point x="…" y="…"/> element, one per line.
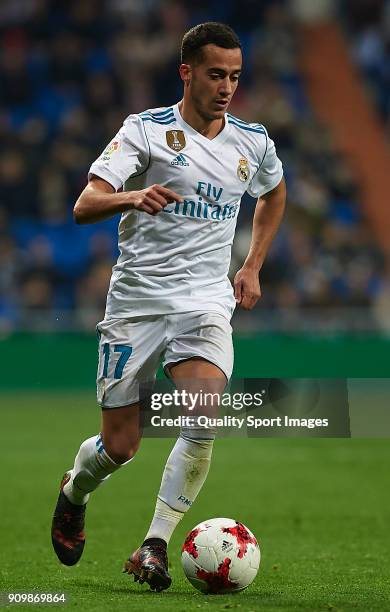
<point x="247" y="287"/>
<point x="153" y="200"/>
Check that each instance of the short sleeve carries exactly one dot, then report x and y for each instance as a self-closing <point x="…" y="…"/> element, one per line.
<point x="126" y="155"/>
<point x="269" y="174"/>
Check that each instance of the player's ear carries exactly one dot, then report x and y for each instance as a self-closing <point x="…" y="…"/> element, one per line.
<point x="185" y="73"/>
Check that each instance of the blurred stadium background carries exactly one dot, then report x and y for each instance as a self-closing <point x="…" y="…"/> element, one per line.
<point x="316" y="74"/>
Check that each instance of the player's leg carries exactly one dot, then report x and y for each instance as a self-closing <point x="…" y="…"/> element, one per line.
<point x="123" y="364"/>
<point x="188" y="465"/>
<point x="200" y="356"/>
<point x="98" y="458"/>
<point x="184" y="475"/>
<point x="103" y="454"/>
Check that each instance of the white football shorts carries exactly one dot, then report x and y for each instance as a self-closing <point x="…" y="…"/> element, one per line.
<point x="130" y="350"/>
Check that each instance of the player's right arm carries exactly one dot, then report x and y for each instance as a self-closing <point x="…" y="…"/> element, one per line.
<point x="99" y="201"/>
<point x="128" y="154"/>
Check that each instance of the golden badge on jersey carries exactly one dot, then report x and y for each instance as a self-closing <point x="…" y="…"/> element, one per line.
<point x="243" y="169"/>
<point x="176" y="139"/>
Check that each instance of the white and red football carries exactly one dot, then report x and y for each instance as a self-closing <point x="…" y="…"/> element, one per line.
<point x="220" y="556"/>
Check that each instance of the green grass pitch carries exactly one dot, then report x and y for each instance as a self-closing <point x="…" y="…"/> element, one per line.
<point x="320" y="509"/>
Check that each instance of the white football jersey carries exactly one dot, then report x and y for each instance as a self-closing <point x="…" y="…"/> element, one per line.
<point x="178" y="260"/>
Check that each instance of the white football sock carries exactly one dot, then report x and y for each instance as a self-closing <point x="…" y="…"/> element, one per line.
<point x="184" y="474"/>
<point x="164" y="521"/>
<point x="92" y="466"/>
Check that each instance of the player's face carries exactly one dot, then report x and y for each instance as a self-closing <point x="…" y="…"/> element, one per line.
<point x="212" y="82"/>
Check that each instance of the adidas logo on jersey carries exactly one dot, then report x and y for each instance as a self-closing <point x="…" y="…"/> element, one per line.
<point x="180" y="160"/>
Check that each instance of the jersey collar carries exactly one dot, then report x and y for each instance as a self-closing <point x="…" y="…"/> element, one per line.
<point x="211" y="144"/>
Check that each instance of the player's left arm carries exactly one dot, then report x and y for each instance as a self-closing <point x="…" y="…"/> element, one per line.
<point x="267" y="218"/>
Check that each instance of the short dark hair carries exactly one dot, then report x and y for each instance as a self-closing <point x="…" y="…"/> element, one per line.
<point x="209" y="33"/>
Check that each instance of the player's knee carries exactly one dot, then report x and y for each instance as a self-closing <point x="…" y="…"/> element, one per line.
<point x="121" y="450"/>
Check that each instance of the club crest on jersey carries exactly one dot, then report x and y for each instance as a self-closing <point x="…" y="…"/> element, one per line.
<point x="243" y="169"/>
<point x="176" y="139"/>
